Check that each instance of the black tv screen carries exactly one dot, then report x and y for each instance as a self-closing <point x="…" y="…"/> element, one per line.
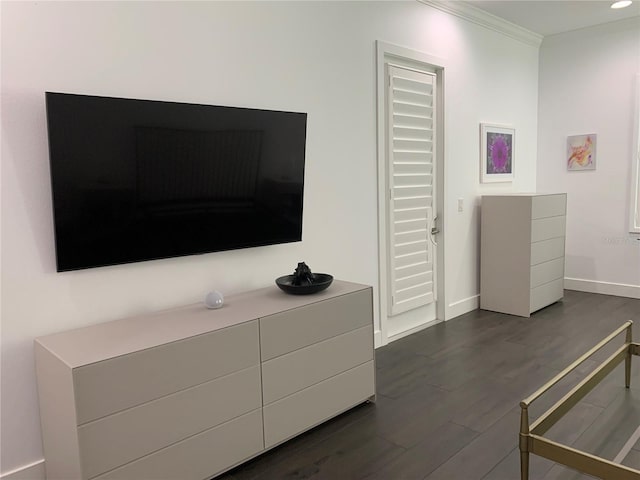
<point x="137" y="180"/>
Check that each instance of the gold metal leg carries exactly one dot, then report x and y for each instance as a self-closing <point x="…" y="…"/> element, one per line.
<point x="627" y="370"/>
<point x="524" y="441"/>
<point x="627" y="360"/>
<point x="524" y="465"/>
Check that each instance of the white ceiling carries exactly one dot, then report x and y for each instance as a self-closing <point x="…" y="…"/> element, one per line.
<point x="548" y="17"/>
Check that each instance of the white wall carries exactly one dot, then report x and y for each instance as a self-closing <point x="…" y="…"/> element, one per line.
<point x="301" y="56"/>
<point x="587" y="86"/>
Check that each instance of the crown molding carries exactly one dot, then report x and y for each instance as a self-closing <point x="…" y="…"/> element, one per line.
<point x="480" y="17"/>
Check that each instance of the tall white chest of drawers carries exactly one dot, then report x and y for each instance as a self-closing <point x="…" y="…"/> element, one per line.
<point x="188" y="393"/>
<point x="522" y="252"/>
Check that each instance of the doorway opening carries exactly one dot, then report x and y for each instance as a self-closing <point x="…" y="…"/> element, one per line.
<point x="410" y="185"/>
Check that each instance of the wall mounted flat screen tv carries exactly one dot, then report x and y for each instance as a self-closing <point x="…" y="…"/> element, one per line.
<point x="136" y="180"/>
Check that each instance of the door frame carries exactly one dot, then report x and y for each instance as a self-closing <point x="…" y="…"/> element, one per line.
<point x="387" y="53"/>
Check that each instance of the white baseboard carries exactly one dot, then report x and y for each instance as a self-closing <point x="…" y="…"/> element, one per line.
<point x="377" y="339"/>
<point x="34" y="471"/>
<point x="606" y="288"/>
<point x="461" y="307"/>
<point x="410" y="331"/>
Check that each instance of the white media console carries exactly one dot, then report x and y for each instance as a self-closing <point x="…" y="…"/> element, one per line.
<point x="189" y="393"/>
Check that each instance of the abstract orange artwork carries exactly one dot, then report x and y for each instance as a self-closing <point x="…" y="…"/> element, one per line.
<point x="581" y="152"/>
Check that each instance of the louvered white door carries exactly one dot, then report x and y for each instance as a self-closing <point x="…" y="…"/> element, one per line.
<point x="411" y="180"/>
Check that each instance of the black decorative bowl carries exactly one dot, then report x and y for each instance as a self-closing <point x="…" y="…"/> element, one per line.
<point x="322" y="281"/>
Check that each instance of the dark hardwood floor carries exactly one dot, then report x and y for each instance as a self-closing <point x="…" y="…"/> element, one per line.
<point x="448" y="401"/>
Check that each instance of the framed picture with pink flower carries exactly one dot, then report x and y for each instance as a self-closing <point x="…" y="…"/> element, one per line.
<point x="581" y="152"/>
<point x="497" y="148"/>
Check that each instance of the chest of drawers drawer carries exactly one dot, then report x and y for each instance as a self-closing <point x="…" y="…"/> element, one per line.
<point x="547" y="250"/>
<point x="546" y="272"/>
<point x="543" y="206"/>
<point x="547" y="228"/>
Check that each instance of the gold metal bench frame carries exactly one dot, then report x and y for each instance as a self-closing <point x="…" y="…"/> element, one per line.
<point x="531" y="440"/>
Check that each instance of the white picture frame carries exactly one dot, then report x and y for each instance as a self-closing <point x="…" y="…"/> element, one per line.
<point x="581" y="152"/>
<point x="497" y="153"/>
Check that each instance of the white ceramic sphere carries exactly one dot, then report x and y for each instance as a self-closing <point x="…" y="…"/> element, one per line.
<point x="214" y="299"/>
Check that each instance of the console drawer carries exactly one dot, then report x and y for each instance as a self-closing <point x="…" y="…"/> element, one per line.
<point x="125" y="436"/>
<point x="300" y="327"/>
<point x="302" y="410"/>
<point x="119" y="383"/>
<point x="201" y="456"/>
<point x="302" y="368"/>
